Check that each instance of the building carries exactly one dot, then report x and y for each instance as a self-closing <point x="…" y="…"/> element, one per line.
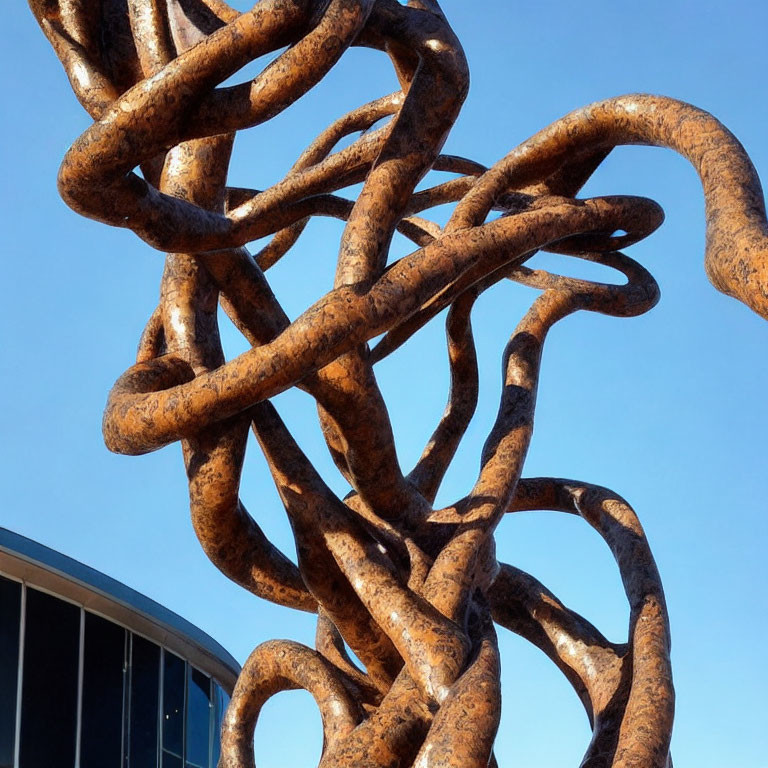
<point x="96" y="675"/>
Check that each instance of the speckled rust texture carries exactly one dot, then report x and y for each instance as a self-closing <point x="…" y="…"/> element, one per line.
<point x="415" y="592"/>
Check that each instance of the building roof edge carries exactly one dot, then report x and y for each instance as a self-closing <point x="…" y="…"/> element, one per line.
<point x="38" y="555"/>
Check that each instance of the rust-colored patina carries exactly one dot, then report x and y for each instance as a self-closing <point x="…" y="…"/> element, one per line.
<point x="414" y="591"/>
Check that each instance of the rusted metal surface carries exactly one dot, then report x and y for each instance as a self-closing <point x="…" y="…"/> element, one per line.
<point x="414" y="591"/>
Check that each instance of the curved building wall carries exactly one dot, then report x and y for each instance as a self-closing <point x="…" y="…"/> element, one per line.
<point x="95" y="675"/>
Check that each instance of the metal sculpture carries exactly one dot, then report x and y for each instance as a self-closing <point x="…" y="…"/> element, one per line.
<point x="412" y="590"/>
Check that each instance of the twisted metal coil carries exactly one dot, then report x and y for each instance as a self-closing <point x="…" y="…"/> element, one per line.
<point x="415" y="592"/>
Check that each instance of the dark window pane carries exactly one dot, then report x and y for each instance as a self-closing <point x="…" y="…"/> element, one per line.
<point x="10" y="610"/>
<point x="171" y="761"/>
<point x="173" y="704"/>
<point x="49" y="695"/>
<point x="220" y="702"/>
<point x="198" y="718"/>
<point x="145" y="704"/>
<point x="101" y="731"/>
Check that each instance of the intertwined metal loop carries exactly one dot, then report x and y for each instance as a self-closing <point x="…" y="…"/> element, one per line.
<point x="413" y="591"/>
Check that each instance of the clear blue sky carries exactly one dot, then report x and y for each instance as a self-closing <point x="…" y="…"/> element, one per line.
<point x="668" y="409"/>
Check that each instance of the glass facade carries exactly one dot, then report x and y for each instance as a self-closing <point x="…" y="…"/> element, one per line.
<point x="198" y="719"/>
<point x="221" y="700"/>
<point x="81" y="691"/>
<point x="144" y="707"/>
<point x="104" y="688"/>
<point x="48" y="732"/>
<point x="10" y="624"/>
<point x="173" y="711"/>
